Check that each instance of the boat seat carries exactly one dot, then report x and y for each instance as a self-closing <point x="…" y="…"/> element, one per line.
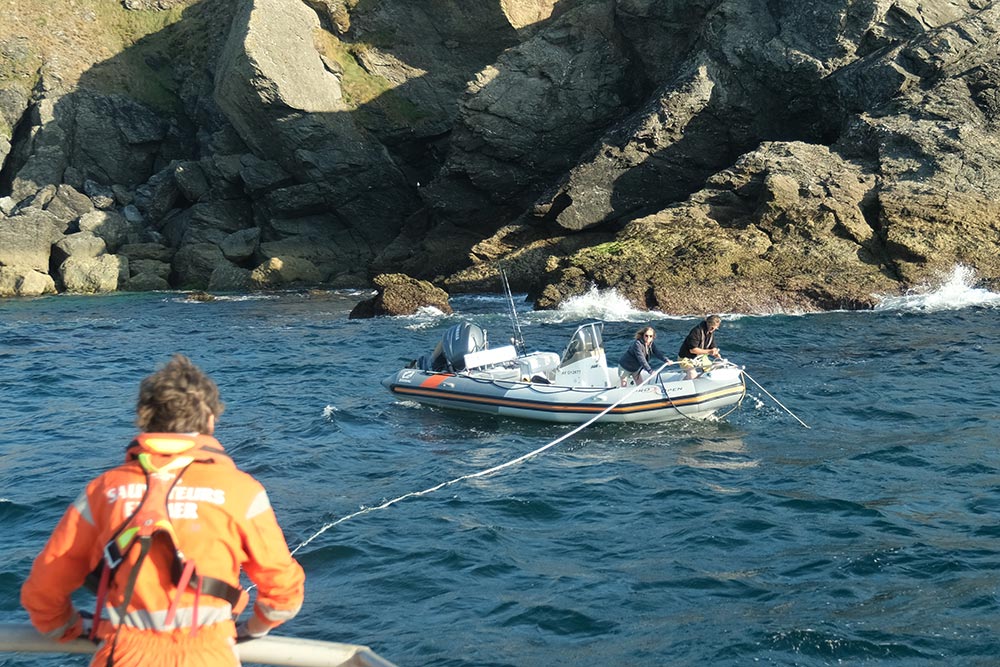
<point x="491" y="357"/>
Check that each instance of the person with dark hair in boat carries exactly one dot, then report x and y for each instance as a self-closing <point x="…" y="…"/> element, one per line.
<point x="163" y="537"/>
<point x="636" y="357"/>
<point x="700" y="342"/>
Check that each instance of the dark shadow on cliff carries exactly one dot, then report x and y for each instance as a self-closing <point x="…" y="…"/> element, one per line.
<point x="714" y="140"/>
<point x="413" y="120"/>
<point x="172" y="72"/>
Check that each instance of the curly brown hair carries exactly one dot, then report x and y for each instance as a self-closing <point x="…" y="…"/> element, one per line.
<point x="178" y="398"/>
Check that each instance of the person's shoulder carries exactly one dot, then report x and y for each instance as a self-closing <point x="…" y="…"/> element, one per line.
<point x="113" y="474"/>
<point x="239" y="476"/>
<point x="242" y="490"/>
<point x="224" y="472"/>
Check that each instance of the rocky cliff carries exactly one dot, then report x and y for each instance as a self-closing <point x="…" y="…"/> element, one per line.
<point x="732" y="155"/>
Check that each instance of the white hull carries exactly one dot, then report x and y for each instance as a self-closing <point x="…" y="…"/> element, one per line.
<point x="656" y="401"/>
<point x="464" y="373"/>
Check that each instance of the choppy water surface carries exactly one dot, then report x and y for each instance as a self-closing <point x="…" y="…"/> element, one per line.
<point x="869" y="538"/>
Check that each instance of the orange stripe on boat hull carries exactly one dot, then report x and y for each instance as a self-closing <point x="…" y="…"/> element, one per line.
<point x="435" y="380"/>
<point x="424" y="390"/>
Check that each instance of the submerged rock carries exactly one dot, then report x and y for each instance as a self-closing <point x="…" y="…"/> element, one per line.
<point x="399" y="294"/>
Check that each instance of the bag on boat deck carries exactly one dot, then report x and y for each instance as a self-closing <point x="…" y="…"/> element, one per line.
<point x="701" y="362"/>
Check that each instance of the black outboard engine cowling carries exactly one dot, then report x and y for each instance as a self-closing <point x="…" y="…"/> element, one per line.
<point x="460" y="340"/>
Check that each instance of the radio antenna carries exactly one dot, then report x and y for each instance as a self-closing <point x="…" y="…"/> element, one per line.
<point x="518" y="337"/>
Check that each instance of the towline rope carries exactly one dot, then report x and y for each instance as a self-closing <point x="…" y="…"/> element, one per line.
<point x="776" y="400"/>
<point x="768" y="394"/>
<point x="488" y="471"/>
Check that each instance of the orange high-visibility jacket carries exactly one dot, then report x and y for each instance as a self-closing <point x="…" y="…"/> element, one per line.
<point x="223" y="522"/>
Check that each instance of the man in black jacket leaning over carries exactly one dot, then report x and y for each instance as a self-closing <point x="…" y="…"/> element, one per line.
<point x="700" y="341"/>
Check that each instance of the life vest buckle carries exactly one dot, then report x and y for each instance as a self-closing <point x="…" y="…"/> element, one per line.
<point x="112" y="560"/>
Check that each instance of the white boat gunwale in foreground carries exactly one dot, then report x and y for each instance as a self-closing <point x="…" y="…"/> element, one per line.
<point x="269" y="650"/>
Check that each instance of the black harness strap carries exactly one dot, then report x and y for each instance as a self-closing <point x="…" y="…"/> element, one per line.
<point x="144" y="544"/>
<point x="217" y="588"/>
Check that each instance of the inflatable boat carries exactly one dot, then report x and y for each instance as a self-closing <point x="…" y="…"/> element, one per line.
<point x="464" y="373"/>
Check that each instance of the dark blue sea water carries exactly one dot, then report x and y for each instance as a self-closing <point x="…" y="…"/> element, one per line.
<point x="870" y="538"/>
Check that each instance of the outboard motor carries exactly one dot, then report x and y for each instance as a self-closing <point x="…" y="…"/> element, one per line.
<point x="460" y="340"/>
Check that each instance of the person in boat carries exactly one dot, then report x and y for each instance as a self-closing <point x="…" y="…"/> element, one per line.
<point x="636" y="358"/>
<point x="699" y="345"/>
<point x="163" y="537"/>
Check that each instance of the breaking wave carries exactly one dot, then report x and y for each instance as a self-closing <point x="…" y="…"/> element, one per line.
<point x="954" y="292"/>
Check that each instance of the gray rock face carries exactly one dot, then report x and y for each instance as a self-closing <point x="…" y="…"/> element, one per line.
<point x="240" y="246"/>
<point x="193" y="265"/>
<point x="13" y="106"/>
<point x="633" y="168"/>
<point x="262" y="175"/>
<point x="26" y="239"/>
<point x="276" y="91"/>
<point x="108" y="225"/>
<point x="18" y="281"/>
<point x="228" y="277"/>
<point x="788" y="215"/>
<point x="191" y="181"/>
<point x="117" y="139"/>
<point x="150" y="267"/>
<point x="211" y="222"/>
<point x="90" y="275"/>
<point x="7" y="206"/>
<point x="332" y="249"/>
<point x="158" y="195"/>
<point x="279" y="272"/>
<point x="916" y="120"/>
<point x="153" y="251"/>
<point x="110" y="139"/>
<point x="80" y="244"/>
<point x="531" y="113"/>
<point x="101" y="196"/>
<point x="68" y="205"/>
<point x="774" y="155"/>
<point x="146" y="282"/>
<point x="46" y="149"/>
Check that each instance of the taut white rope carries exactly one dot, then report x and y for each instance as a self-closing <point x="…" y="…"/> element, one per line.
<point x="747" y="375"/>
<point x="488" y="471"/>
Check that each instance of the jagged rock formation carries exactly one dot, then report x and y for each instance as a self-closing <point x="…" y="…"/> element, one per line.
<point x="398" y="294"/>
<point x="724" y="155"/>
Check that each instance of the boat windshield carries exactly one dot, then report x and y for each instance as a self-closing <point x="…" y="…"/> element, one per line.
<point x="586" y="342"/>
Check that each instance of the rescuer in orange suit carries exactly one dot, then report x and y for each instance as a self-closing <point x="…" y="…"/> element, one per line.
<point x="162" y="539"/>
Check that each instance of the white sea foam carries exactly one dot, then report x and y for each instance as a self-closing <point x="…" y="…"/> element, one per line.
<point x="492" y="297"/>
<point x="426" y="317"/>
<point x="595" y="304"/>
<point x="429" y="312"/>
<point x="610" y="306"/>
<point x="952" y="292"/>
<point x="606" y="305"/>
